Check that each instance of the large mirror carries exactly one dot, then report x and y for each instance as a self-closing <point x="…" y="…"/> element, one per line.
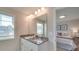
<point x="41" y="25"/>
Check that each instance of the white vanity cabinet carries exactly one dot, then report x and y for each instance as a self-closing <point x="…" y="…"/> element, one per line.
<point x="29" y="46"/>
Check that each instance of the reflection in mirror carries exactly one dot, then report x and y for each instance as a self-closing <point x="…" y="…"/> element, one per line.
<point x="41" y="25"/>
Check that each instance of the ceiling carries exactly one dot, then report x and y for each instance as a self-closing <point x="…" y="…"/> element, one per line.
<point x="58" y="8"/>
<point x="25" y="10"/>
<point x="29" y="10"/>
<point x="71" y="13"/>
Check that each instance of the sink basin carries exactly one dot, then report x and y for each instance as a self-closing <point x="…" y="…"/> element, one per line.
<point x="38" y="41"/>
<point x="35" y="40"/>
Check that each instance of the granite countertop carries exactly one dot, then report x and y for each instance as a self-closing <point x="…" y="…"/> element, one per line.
<point x="35" y="40"/>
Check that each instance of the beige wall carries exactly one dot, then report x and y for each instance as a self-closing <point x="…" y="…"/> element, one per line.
<point x="21" y="27"/>
<point x="32" y="26"/>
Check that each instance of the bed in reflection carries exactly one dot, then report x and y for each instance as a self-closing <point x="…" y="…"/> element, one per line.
<point x="66" y="43"/>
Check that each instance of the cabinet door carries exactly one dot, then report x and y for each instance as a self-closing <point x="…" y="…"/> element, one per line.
<point x="43" y="47"/>
<point x="24" y="45"/>
<point x="28" y="46"/>
<point x="25" y="48"/>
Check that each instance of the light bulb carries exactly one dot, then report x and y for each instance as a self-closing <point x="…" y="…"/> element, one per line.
<point x="39" y="10"/>
<point x="35" y="12"/>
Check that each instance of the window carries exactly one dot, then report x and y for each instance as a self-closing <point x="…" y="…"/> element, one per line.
<point x="6" y="25"/>
<point x="40" y="28"/>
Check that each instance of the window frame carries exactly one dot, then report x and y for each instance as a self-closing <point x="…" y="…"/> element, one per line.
<point x="37" y="29"/>
<point x="8" y="36"/>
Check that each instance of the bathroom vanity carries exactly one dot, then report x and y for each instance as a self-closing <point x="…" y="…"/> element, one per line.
<point x="31" y="43"/>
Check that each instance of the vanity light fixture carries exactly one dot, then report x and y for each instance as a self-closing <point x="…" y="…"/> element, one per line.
<point x="61" y="17"/>
<point x="38" y="12"/>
